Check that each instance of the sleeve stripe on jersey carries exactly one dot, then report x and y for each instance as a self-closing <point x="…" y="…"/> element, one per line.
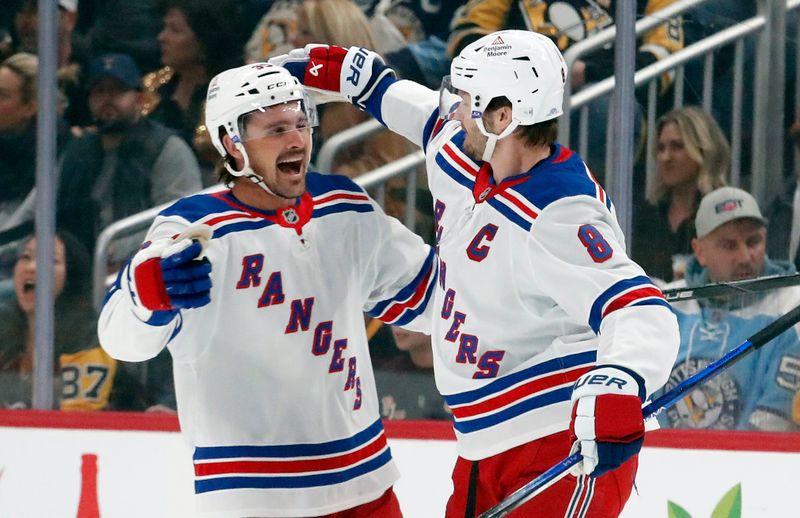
<point x="432" y="127"/>
<point x="240" y="226"/>
<point x="333" y="196"/>
<point x="342" y="207"/>
<point x="564" y="153"/>
<point x="637" y="291"/>
<point x="521" y="203"/>
<point x="514" y="216"/>
<point x="462" y="164"/>
<point x="221" y="218"/>
<point x="117" y="284"/>
<point x="453" y="172"/>
<point x="333" y="202"/>
<point x="600" y="193"/>
<point x="375" y="99"/>
<point x="293" y="465"/>
<point x="412" y="299"/>
<point x="228" y="222"/>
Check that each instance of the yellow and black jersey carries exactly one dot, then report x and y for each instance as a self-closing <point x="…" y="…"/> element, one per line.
<point x="86" y="379"/>
<point x="566" y="22"/>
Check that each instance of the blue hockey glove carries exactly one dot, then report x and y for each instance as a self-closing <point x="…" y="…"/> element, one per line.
<point x="173" y="274"/>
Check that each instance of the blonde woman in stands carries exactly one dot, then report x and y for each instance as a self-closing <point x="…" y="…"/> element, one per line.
<point x="343" y="23"/>
<point x="692" y="159"/>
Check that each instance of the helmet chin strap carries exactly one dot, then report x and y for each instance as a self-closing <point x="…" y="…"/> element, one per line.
<point x="488" y="151"/>
<point x="247" y="171"/>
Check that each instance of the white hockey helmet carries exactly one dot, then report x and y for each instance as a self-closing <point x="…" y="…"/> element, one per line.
<point x="523" y="66"/>
<point x="242" y="90"/>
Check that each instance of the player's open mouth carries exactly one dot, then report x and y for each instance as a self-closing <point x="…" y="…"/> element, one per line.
<point x="28" y="286"/>
<point x="291" y="165"/>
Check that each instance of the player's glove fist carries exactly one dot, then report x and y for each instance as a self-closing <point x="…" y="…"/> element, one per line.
<point x="330" y="72"/>
<point x="607" y="426"/>
<point x="173" y="274"/>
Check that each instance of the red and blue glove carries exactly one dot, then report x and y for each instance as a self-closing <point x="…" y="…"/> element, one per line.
<point x="171" y="274"/>
<point x="332" y="73"/>
<point x="607" y="426"/>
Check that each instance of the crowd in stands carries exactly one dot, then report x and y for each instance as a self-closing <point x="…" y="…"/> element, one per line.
<point x="132" y="81"/>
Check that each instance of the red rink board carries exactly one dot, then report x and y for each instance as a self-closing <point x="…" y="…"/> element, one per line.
<point x="398" y="429"/>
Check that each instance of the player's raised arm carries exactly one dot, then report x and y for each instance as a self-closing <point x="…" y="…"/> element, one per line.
<point x="169" y="273"/>
<point x="400" y="276"/>
<point x="360" y="76"/>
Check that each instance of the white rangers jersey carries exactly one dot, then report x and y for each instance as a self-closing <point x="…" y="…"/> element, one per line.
<point x="273" y="379"/>
<point x="535" y="287"/>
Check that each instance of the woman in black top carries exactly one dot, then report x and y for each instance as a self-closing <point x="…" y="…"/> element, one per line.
<point x="692" y="159"/>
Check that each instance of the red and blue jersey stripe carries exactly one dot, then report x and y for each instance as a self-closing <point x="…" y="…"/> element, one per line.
<point x="529" y="389"/>
<point x="562" y="175"/>
<point x="292" y="465"/>
<point x="410" y="301"/>
<point x="341" y="200"/>
<point x="636" y="291"/>
<point x="509" y="202"/>
<point x="433" y="126"/>
<point x="331" y="194"/>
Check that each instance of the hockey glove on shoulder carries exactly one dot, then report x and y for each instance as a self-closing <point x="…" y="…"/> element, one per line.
<point x="172" y="274"/>
<point x="332" y="73"/>
<point x="607" y="426"/>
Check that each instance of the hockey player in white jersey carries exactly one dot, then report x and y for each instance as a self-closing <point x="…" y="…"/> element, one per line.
<point x="546" y="335"/>
<point x="259" y="292"/>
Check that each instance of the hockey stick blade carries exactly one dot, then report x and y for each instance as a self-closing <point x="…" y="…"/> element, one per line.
<point x="730" y="288"/>
<point x="666" y="400"/>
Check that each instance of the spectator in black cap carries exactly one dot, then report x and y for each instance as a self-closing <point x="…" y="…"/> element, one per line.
<point x="129" y="164"/>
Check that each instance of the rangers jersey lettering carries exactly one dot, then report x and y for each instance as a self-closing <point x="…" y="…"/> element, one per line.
<point x="535" y="287"/>
<point x="273" y="379"/>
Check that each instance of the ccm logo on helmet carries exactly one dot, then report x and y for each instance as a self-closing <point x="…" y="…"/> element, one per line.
<point x="601" y="379"/>
<point x="277" y="85"/>
<point x="357" y="65"/>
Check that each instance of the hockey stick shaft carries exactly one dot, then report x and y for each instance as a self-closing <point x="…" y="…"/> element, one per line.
<point x="666" y="400"/>
<point x="732" y="288"/>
